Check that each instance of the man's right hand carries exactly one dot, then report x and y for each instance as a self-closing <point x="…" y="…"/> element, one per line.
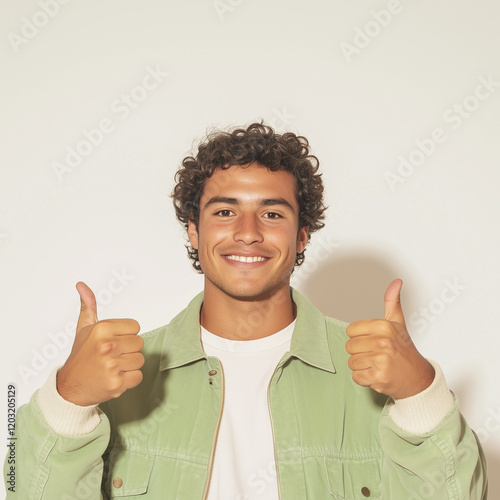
<point x="105" y="359"/>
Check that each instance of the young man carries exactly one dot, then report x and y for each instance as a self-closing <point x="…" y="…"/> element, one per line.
<point x="250" y="392"/>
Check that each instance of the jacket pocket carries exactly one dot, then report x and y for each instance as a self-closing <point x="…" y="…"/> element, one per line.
<point x="129" y="473"/>
<point x="354" y="480"/>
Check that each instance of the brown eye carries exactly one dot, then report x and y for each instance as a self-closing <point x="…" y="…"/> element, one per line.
<point x="272" y="215"/>
<point x="224" y="213"/>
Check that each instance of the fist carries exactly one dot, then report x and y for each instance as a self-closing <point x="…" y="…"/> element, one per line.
<point x="105" y="359"/>
<point x="383" y="355"/>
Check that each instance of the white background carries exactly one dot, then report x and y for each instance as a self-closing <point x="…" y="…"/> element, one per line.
<point x="362" y="100"/>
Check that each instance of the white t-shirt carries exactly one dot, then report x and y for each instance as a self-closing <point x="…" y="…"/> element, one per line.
<point x="244" y="465"/>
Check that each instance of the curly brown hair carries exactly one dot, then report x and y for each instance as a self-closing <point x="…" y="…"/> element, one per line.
<point x="260" y="144"/>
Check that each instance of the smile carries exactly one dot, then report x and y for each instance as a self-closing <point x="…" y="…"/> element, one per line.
<point x="242" y="258"/>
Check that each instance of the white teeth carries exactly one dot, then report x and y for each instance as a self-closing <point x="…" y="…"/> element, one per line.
<point x="242" y="258"/>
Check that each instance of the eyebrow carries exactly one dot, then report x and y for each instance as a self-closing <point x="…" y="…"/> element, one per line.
<point x="264" y="203"/>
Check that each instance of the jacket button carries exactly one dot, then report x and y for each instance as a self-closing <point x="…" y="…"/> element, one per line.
<point x="117" y="482"/>
<point x="212" y="372"/>
<point x="365" y="491"/>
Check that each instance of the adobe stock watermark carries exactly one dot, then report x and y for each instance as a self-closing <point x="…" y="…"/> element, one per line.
<point x="121" y="108"/>
<point x="419" y="320"/>
<point x="454" y="117"/>
<point x="89" y="485"/>
<point x="222" y="7"/>
<point x="431" y="487"/>
<point x="434" y="484"/>
<point x="323" y="250"/>
<point x="365" y="34"/>
<point x="245" y="328"/>
<point x="490" y="426"/>
<point x="32" y="25"/>
<point x="259" y="481"/>
<point x="58" y="341"/>
<point x="280" y="118"/>
<point x="158" y="415"/>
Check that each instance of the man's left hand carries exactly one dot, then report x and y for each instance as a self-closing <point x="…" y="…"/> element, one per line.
<point x="383" y="355"/>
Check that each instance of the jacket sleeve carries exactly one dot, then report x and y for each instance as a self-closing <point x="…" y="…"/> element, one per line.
<point x="54" y="466"/>
<point x="446" y="463"/>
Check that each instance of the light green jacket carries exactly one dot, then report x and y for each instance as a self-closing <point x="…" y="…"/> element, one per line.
<point x="333" y="439"/>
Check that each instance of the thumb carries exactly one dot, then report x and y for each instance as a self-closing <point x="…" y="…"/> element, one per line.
<point x="392" y="300"/>
<point x="88" y="311"/>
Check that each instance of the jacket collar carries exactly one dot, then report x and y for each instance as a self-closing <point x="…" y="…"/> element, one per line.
<point x="182" y="340"/>
<point x="309" y="339"/>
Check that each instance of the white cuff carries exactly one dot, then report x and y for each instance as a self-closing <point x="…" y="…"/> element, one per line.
<point x="423" y="412"/>
<point x="64" y="417"/>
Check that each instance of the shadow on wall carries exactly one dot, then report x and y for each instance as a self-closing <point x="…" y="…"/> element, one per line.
<point x="352" y="286"/>
<point x="493" y="474"/>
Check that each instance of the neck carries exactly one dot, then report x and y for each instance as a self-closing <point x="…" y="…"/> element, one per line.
<point x="250" y="319"/>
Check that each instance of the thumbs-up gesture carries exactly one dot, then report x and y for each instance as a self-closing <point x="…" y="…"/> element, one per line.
<point x="383" y="355"/>
<point x="105" y="359"/>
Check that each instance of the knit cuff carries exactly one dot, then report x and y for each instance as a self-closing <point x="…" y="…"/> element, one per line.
<point x="423" y="412"/>
<point x="62" y="416"/>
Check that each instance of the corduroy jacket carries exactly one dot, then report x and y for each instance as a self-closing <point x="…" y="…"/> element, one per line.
<point x="332" y="438"/>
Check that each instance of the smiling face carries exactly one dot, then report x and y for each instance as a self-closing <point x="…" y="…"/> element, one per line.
<point x="248" y="234"/>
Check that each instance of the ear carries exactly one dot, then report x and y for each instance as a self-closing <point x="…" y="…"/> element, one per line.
<point x="302" y="239"/>
<point x="192" y="233"/>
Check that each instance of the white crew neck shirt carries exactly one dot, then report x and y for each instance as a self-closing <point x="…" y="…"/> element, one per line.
<point x="244" y="465"/>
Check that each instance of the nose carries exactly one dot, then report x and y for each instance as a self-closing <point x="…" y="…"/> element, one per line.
<point x="247" y="229"/>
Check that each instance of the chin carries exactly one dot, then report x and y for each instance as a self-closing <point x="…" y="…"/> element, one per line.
<point x="254" y="293"/>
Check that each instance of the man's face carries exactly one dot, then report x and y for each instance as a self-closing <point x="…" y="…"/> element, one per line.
<point x="248" y="234"/>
